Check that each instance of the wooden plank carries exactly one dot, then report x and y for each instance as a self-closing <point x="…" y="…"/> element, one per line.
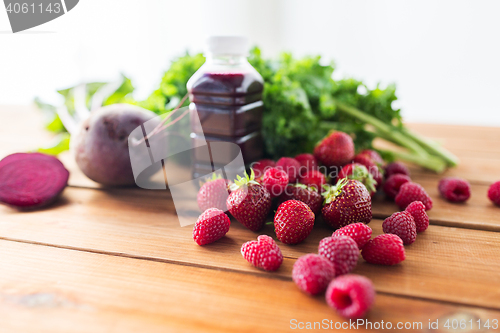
<point x="122" y="222"/>
<point x="477" y="213"/>
<point x="44" y="289"/>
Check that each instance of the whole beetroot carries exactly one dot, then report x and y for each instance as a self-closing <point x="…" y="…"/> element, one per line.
<point x="101" y="144"/>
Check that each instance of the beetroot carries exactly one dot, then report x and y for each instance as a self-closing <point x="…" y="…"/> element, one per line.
<point x="31" y="180"/>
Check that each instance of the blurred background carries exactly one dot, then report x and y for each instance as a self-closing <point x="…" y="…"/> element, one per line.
<point x="442" y="55"/>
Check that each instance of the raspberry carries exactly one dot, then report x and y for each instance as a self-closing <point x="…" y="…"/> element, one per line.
<point x="417" y="210"/>
<point x="385" y="249"/>
<point x="393" y="184"/>
<point x="307" y="161"/>
<point x="360" y="232"/>
<point x="454" y="189"/>
<point x="409" y="192"/>
<point x="494" y="193"/>
<point x="395" y="168"/>
<point x="261" y="166"/>
<point x="342" y="251"/>
<point x="212" y="225"/>
<point x="290" y="166"/>
<point x="313" y="178"/>
<point x="275" y="181"/>
<point x="403" y="225"/>
<point x="351" y="295"/>
<point x="263" y="253"/>
<point x="312" y="273"/>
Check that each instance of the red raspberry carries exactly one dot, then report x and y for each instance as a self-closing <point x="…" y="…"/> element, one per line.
<point x="312" y="273"/>
<point x="293" y="221"/>
<point x="275" y="181"/>
<point x="213" y="194"/>
<point x="351" y="295"/>
<point x="403" y="225"/>
<point x="307" y="161"/>
<point x="360" y="232"/>
<point x="342" y="251"/>
<point x="385" y="249"/>
<point x="494" y="193"/>
<point x="313" y="178"/>
<point x="395" y="168"/>
<point x="301" y="192"/>
<point x="393" y="184"/>
<point x="260" y="167"/>
<point x="417" y="210"/>
<point x="290" y="166"/>
<point x="212" y="225"/>
<point x="410" y="192"/>
<point x="454" y="189"/>
<point x="263" y="253"/>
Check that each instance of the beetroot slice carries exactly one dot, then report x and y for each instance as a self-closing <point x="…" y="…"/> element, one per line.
<point x="31" y="180"/>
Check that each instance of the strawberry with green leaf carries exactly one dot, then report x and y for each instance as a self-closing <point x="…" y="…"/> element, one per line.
<point x="347" y="202"/>
<point x="249" y="202"/>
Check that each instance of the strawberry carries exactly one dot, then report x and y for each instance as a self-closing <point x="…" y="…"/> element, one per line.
<point x="454" y="189"/>
<point x="307" y="161"/>
<point x="401" y="224"/>
<point x="342" y="251"/>
<point x="261" y="166"/>
<point x="410" y="192"/>
<point x="360" y="232"/>
<point x="313" y="178"/>
<point x="375" y="170"/>
<point x="312" y="273"/>
<point x="417" y="210"/>
<point x="335" y="150"/>
<point x="385" y="249"/>
<point x="293" y="221"/>
<point x="396" y="167"/>
<point x="393" y="184"/>
<point x="275" y="181"/>
<point x="211" y="226"/>
<point x="249" y="202"/>
<point x="290" y="166"/>
<point x="213" y="194"/>
<point x="263" y="253"/>
<point x="373" y="155"/>
<point x="307" y="195"/>
<point x="494" y="193"/>
<point x="347" y="202"/>
<point x="351" y="295"/>
<point x="359" y="172"/>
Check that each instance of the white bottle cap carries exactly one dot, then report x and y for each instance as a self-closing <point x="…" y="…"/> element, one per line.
<point x="227" y="45"/>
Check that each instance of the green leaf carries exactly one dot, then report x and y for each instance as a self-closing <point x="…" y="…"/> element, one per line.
<point x="58" y="145"/>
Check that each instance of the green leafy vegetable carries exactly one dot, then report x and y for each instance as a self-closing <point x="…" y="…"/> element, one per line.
<point x="302" y="104"/>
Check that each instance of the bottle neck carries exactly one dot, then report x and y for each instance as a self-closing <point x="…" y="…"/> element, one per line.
<point x="229" y="60"/>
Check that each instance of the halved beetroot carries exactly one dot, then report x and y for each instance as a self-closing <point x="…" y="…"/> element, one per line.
<point x="31" y="180"/>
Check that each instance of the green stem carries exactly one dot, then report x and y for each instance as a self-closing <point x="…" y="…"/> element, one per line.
<point x="431" y="162"/>
<point x="387" y="130"/>
<point x="434" y="148"/>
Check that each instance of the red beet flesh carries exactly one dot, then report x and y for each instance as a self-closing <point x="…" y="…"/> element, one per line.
<point x="31" y="180"/>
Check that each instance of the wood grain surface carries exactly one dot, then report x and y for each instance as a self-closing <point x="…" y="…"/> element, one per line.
<point x="117" y="260"/>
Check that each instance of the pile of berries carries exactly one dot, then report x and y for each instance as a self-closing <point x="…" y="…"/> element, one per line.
<point x="338" y="185"/>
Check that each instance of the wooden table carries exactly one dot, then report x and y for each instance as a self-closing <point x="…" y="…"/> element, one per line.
<point x="116" y="260"/>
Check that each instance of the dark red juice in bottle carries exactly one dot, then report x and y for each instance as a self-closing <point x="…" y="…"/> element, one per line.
<point x="226" y="97"/>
